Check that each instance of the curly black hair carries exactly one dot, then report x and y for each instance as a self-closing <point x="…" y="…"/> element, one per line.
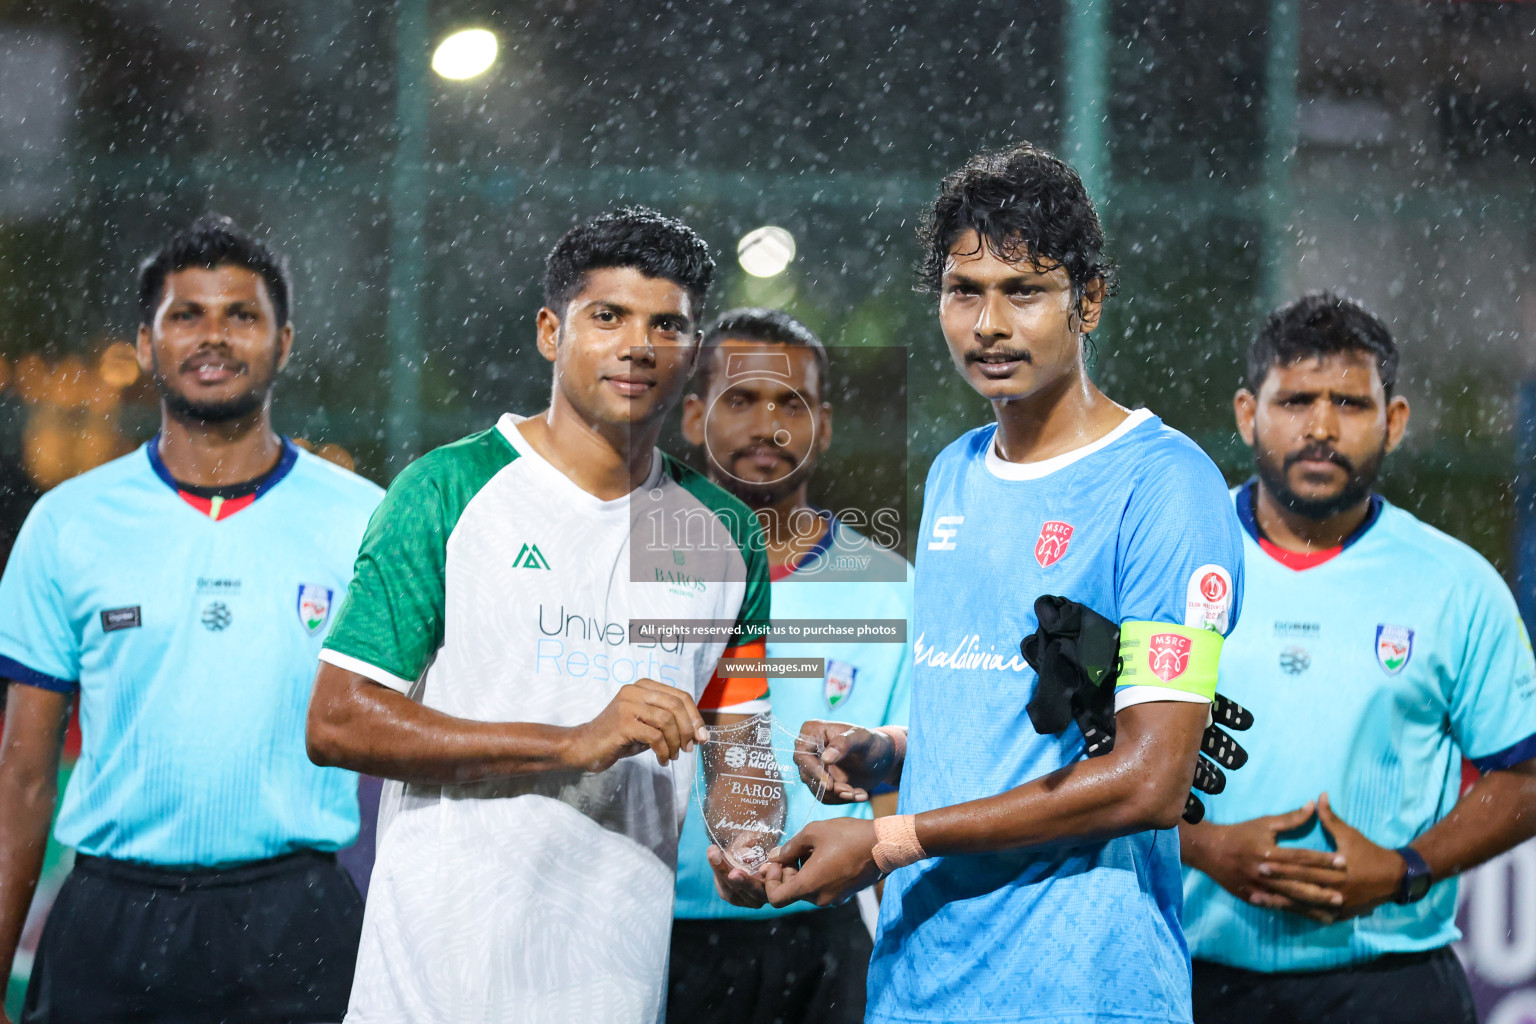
<point x="1321" y="324"/>
<point x="1028" y="206"/>
<point x="213" y="241"/>
<point x="630" y="236"/>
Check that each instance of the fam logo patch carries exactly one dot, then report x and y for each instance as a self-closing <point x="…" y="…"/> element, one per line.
<point x="314" y="606"/>
<point x="839" y="681"/>
<point x="1168" y="655"/>
<point x="1394" y="647"/>
<point x="1208" y="599"/>
<point x="1051" y="545"/>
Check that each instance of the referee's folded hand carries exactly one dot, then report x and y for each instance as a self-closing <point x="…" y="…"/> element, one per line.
<point x="643" y="714"/>
<point x="1247" y="860"/>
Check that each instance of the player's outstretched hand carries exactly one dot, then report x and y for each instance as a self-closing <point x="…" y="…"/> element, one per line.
<point x="841" y="763"/>
<point x="1247" y="860"/>
<point x="643" y="714"/>
<point x="736" y="886"/>
<point x="825" y="863"/>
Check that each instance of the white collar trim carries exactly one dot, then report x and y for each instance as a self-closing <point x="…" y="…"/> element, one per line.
<point x="1005" y="470"/>
<point x="507" y="427"/>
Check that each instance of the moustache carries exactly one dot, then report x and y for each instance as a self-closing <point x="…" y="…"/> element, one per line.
<point x="203" y="357"/>
<point x="1320" y="452"/>
<point x="997" y="355"/>
<point x="765" y="448"/>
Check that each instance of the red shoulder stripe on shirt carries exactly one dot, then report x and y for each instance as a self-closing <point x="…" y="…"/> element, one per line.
<point x="728" y="691"/>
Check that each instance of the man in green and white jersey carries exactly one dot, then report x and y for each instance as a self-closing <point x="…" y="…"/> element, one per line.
<point x="484" y="662"/>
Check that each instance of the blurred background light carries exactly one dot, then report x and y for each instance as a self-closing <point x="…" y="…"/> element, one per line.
<point x="464" y="54"/>
<point x="766" y="251"/>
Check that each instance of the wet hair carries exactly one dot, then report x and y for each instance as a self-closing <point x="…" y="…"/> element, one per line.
<point x="209" y="242"/>
<point x="1320" y="324"/>
<point x="771" y="326"/>
<point x="1028" y="206"/>
<point x="630" y="236"/>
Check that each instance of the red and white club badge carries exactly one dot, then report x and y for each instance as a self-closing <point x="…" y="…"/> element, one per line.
<point x="1168" y="655"/>
<point x="1052" y="543"/>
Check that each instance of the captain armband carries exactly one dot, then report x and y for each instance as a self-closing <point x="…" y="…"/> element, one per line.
<point x="1168" y="656"/>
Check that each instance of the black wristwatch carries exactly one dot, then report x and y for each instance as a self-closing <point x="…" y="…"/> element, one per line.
<point x="1416" y="880"/>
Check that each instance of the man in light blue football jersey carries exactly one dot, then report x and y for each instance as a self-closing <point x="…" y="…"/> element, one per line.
<point x="1028" y="883"/>
<point x="1375" y="653"/>
<point x="759" y="409"/>
<point x="181" y="594"/>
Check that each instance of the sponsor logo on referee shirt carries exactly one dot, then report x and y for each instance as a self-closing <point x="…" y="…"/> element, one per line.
<point x="216" y="616"/>
<point x="530" y="557"/>
<point x="1051" y="545"/>
<point x="1394" y="648"/>
<point x="1295" y="660"/>
<point x="113" y="619"/>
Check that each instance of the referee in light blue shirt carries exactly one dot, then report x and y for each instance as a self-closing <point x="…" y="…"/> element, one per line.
<point x="758" y="410"/>
<point x="181" y="594"/>
<point x="1374" y="652"/>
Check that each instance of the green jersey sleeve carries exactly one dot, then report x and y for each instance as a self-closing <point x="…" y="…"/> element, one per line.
<point x="746" y="532"/>
<point x="391" y="623"/>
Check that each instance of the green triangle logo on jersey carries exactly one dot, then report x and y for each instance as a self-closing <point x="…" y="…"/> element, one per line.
<point x="530" y="558"/>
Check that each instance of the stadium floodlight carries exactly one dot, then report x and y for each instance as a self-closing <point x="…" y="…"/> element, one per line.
<point x="464" y="54"/>
<point x="766" y="251"/>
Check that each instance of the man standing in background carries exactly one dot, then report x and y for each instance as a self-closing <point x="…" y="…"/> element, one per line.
<point x="759" y="410"/>
<point x="1375" y="652"/>
<point x="181" y="593"/>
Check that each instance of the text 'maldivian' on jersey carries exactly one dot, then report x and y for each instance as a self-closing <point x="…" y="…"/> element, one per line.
<point x="1136" y="526"/>
<point x="864" y="684"/>
<point x="1370" y="675"/>
<point x="192" y="642"/>
<point x="491" y="587"/>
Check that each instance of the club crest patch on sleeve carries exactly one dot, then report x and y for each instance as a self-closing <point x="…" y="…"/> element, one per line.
<point x="314" y="606"/>
<point x="1394" y="648"/>
<point x="839" y="681"/>
<point x="1208" y="599"/>
<point x="1168" y="655"/>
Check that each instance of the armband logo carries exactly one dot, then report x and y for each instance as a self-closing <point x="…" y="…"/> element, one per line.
<point x="1168" y="655"/>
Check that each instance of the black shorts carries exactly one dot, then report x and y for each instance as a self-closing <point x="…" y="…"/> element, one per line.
<point x="272" y="941"/>
<point x="803" y="968"/>
<point x="1401" y="988"/>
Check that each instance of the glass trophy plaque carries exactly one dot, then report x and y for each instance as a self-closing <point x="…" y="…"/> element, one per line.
<point x="746" y="811"/>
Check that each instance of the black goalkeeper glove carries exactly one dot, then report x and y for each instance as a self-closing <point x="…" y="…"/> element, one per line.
<point x="1076" y="653"/>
